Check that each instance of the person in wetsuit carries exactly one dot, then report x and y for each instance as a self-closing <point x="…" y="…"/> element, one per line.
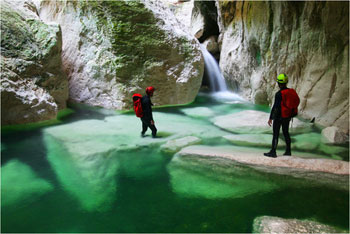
<point x="277" y="121"/>
<point x="147" y="119"/>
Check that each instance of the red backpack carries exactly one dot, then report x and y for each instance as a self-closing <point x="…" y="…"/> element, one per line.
<point x="290" y="103"/>
<point x="137" y="104"/>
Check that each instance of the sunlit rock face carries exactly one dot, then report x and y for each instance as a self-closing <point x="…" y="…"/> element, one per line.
<point x="270" y="224"/>
<point x="112" y="49"/>
<point x="309" y="41"/>
<point x="33" y="85"/>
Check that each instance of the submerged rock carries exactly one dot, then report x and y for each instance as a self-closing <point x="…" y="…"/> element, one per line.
<point x="250" y="121"/>
<point x="307" y="141"/>
<point x="21" y="187"/>
<point x="86" y="169"/>
<point x="33" y="85"/>
<point x="175" y="145"/>
<point x="198" y="112"/>
<point x="270" y="224"/>
<point x="112" y="49"/>
<point x="88" y="155"/>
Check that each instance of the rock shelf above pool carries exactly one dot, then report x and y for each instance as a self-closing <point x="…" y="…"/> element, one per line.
<point x="234" y="170"/>
<point x="304" y="161"/>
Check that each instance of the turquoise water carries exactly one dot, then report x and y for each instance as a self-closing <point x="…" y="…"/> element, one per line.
<point x="48" y="187"/>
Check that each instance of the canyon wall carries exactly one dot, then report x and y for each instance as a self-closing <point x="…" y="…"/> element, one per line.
<point x="308" y="41"/>
<point x="33" y="85"/>
<point x="112" y="49"/>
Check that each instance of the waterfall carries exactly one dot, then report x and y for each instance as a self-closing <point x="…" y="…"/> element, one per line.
<point x="216" y="79"/>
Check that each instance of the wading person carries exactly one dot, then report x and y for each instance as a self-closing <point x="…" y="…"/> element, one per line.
<point x="284" y="108"/>
<point x="147" y="118"/>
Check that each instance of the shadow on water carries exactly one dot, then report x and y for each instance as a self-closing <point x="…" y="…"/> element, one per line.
<point x="82" y="112"/>
<point x="29" y="148"/>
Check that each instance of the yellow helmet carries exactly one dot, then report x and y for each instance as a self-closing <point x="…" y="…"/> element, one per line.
<point x="282" y="78"/>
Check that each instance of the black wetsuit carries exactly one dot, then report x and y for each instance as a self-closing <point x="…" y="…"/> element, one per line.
<point x="278" y="121"/>
<point x="147" y="116"/>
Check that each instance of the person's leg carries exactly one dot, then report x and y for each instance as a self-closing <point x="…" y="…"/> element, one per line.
<point x="144" y="127"/>
<point x="285" y="130"/>
<point x="154" y="130"/>
<point x="276" y="125"/>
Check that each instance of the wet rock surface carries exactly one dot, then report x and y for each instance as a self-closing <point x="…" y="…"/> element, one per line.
<point x="310" y="167"/>
<point x="255" y="140"/>
<point x="270" y="224"/>
<point x="249" y="121"/>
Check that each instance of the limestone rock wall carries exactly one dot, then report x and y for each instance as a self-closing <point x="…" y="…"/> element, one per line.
<point x="33" y="85"/>
<point x="309" y="41"/>
<point x="112" y="49"/>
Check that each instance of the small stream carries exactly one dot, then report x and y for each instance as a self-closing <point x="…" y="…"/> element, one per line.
<point x="51" y="185"/>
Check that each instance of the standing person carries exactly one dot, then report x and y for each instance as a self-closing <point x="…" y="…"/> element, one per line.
<point x="284" y="108"/>
<point x="147" y="118"/>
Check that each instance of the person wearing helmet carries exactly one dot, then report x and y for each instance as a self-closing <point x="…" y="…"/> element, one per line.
<point x="147" y="118"/>
<point x="277" y="121"/>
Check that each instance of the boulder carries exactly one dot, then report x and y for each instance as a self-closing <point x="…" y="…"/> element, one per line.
<point x="243" y="155"/>
<point x="253" y="140"/>
<point x="333" y="135"/>
<point x="250" y="121"/>
<point x="23" y="187"/>
<point x="172" y="146"/>
<point x="261" y="39"/>
<point x="212" y="45"/>
<point x="33" y="85"/>
<point x="193" y="177"/>
<point x="313" y="168"/>
<point x="270" y="224"/>
<point x="112" y="49"/>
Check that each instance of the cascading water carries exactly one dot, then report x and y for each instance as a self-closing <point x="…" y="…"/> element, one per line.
<point x="216" y="79"/>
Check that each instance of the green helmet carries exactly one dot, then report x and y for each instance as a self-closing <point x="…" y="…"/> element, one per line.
<point x="282" y="78"/>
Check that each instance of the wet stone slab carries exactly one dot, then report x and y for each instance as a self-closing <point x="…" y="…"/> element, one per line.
<point x="303" y="165"/>
<point x="251" y="121"/>
<point x="270" y="224"/>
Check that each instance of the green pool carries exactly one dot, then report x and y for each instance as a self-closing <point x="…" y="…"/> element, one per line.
<point x="94" y="173"/>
